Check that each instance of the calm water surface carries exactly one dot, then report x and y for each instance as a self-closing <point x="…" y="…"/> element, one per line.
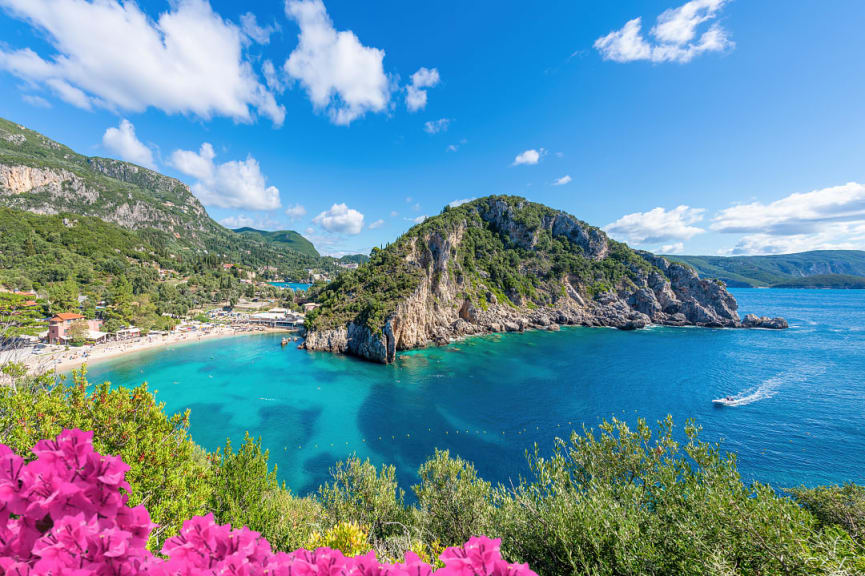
<point x="296" y="286"/>
<point x="800" y="417"/>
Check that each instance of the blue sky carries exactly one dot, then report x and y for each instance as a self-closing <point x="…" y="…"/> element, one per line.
<point x="708" y="126"/>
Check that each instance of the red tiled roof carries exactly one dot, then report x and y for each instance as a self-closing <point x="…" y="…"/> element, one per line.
<point x="63" y="316"/>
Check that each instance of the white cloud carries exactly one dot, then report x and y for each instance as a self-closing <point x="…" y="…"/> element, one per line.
<point x="238" y="221"/>
<point x="528" y="157"/>
<point x="459" y="202"/>
<point x="566" y="179"/>
<point x="797" y="213"/>
<point x="272" y="77"/>
<point x="111" y="55"/>
<point x="416" y="94"/>
<point x="833" y="237"/>
<point x="295" y="212"/>
<point x="394" y="213"/>
<point x="234" y="184"/>
<point x="658" y="225"/>
<point x="376" y="225"/>
<point x="456" y="147"/>
<point x="418" y="219"/>
<point x="250" y="27"/>
<point x="340" y="219"/>
<point x="824" y="219"/>
<point x="672" y="248"/>
<point x="37" y="101"/>
<point x="675" y="34"/>
<point x="340" y="75"/>
<point x="123" y="142"/>
<point x="436" y="126"/>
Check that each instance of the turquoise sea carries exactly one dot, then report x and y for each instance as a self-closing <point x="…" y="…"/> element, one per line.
<point x="296" y="286"/>
<point x="799" y="418"/>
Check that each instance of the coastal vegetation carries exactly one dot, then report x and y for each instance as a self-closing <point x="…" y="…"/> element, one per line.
<point x="288" y="238"/>
<point x="618" y="499"/>
<point x="815" y="269"/>
<point x="524" y="265"/>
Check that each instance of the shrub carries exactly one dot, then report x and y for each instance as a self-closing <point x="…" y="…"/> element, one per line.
<point x="348" y="537"/>
<point x="453" y="503"/>
<point x="842" y="506"/>
<point x="360" y="494"/>
<point x="630" y="502"/>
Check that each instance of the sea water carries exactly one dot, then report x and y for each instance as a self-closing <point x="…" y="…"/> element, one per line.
<point x="798" y="415"/>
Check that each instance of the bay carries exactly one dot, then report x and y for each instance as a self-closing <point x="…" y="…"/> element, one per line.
<point x="799" y="416"/>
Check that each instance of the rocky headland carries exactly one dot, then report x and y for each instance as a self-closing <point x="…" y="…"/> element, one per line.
<point x="503" y="264"/>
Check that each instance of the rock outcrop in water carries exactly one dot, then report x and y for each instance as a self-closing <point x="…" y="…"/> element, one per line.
<point x="503" y="264"/>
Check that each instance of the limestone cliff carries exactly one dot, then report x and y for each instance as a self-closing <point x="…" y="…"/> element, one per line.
<point x="505" y="264"/>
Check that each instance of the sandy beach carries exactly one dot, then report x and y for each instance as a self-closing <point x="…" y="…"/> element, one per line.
<point x="62" y="359"/>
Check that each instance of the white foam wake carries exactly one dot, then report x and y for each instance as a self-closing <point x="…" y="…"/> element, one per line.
<point x="770" y="386"/>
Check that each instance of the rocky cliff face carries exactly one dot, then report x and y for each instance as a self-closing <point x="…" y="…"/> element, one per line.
<point x="41" y="176"/>
<point x="448" y="302"/>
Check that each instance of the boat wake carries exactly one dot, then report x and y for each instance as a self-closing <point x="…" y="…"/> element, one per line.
<point x="768" y="387"/>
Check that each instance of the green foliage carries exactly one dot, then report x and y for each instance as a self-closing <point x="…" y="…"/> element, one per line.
<point x="247" y="493"/>
<point x="842" y="506"/>
<point x="816" y="269"/>
<point x="453" y="503"/>
<point x="17" y="318"/>
<point x="358" y="493"/>
<point x="167" y="470"/>
<point x="288" y="238"/>
<point x="630" y="502"/>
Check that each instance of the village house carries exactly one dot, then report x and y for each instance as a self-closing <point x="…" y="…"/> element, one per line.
<point x="59" y="325"/>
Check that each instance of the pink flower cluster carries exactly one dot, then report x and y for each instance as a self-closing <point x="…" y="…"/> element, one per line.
<point x="66" y="514"/>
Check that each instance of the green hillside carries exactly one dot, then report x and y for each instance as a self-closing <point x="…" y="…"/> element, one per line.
<point x="833" y="266"/>
<point x="513" y="259"/>
<point x="85" y="232"/>
<point x="286" y="238"/>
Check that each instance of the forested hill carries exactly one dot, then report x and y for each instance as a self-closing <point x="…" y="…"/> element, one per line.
<point x="815" y="269"/>
<point x="287" y="238"/>
<point x="80" y="230"/>
<point x="43" y="177"/>
<point x="502" y="263"/>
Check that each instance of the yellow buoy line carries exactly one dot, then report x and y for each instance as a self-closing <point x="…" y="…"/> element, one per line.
<point x="456" y="431"/>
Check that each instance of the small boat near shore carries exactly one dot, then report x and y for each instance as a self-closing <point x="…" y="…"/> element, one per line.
<point x="725" y="401"/>
<point x="284" y="341"/>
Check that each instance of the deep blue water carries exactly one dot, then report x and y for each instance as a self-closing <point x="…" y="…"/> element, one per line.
<point x="293" y="285"/>
<point x="801" y="418"/>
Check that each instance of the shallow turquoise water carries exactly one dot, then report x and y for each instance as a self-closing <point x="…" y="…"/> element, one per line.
<point x="296" y="286"/>
<point x="801" y="418"/>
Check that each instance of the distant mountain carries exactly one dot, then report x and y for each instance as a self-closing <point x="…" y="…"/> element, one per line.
<point x="354" y="258"/>
<point x="44" y="177"/>
<point x="502" y="263"/>
<point x="288" y="238"/>
<point x="833" y="267"/>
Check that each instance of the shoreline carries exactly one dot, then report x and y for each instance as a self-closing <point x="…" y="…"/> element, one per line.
<point x="63" y="360"/>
